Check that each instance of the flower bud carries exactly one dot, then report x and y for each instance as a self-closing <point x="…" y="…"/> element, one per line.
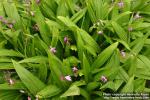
<point x="53" y="50"/>
<point x="21" y="91"/>
<point x="10" y="26"/>
<point x="137" y="16"/>
<point x="120" y="4"/>
<point x="100" y="32"/>
<point x="11" y="82"/>
<point x="68" y="78"/>
<point x="66" y="40"/>
<point x="74" y="69"/>
<point x="103" y="79"/>
<point x="29" y="98"/>
<point x="123" y="53"/>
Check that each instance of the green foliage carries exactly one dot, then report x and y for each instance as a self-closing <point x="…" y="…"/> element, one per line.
<point x="73" y="49"/>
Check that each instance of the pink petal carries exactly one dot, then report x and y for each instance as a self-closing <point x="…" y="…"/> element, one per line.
<point x="29" y="98"/>
<point x="75" y="69"/>
<point x="68" y="78"/>
<point x="103" y="79"/>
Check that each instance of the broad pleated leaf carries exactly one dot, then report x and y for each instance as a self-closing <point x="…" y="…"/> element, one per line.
<point x="104" y="55"/>
<point x="129" y="87"/>
<point x="72" y="91"/>
<point x="15" y="86"/>
<point x="5" y="52"/>
<point x="86" y="69"/>
<point x="36" y="59"/>
<point x="120" y="31"/>
<point x="33" y="84"/>
<point x="49" y="91"/>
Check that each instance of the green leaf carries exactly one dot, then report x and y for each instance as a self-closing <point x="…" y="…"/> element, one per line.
<point x="55" y="33"/>
<point x="42" y="71"/>
<point x="120" y="31"/>
<point x="139" y="43"/>
<point x="122" y="15"/>
<point x="139" y="26"/>
<point x="50" y="5"/>
<point x="73" y="60"/>
<point x="76" y="17"/>
<point x="124" y="44"/>
<point x="3" y="59"/>
<point x="15" y="86"/>
<point x="91" y="11"/>
<point x="123" y="75"/>
<point x="89" y="40"/>
<point x="85" y="94"/>
<point x="71" y="5"/>
<point x="109" y="85"/>
<point x="5" y="52"/>
<point x="79" y="83"/>
<point x="12" y="13"/>
<point x="62" y="9"/>
<point x="86" y="69"/>
<point x="6" y="66"/>
<point x="92" y="85"/>
<point x="11" y="95"/>
<point x="51" y="23"/>
<point x="80" y="45"/>
<point x="139" y="84"/>
<point x="39" y="19"/>
<point x="33" y="84"/>
<point x="49" y="91"/>
<point x="72" y="91"/>
<point x="84" y="35"/>
<point x="145" y="60"/>
<point x="132" y="65"/>
<point x="129" y="87"/>
<point x="104" y="55"/>
<point x="67" y="22"/>
<point x="138" y="46"/>
<point x="90" y="50"/>
<point x="36" y="59"/>
<point x="56" y="67"/>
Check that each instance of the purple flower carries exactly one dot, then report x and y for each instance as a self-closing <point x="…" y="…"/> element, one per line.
<point x="100" y="32"/>
<point x="123" y="53"/>
<point x="74" y="69"/>
<point x="68" y="78"/>
<point x="66" y="40"/>
<point x="121" y="4"/>
<point x="104" y="79"/>
<point x="53" y="50"/>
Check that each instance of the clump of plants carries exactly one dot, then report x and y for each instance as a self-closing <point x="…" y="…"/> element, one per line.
<point x="73" y="49"/>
